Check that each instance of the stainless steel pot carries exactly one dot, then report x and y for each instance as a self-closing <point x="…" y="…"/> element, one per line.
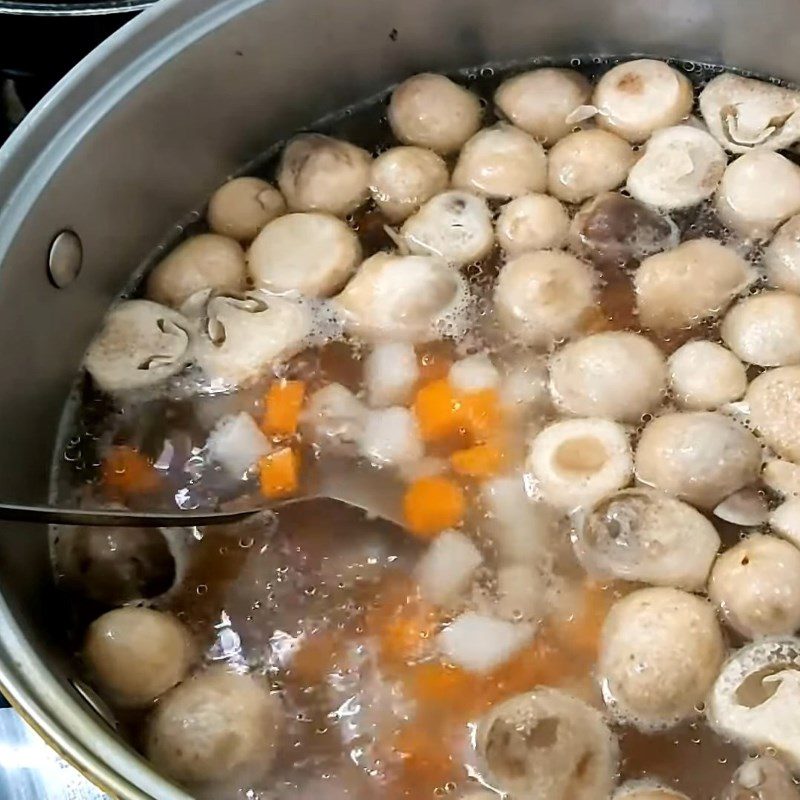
<point x="142" y="131"/>
<point x="65" y="8"/>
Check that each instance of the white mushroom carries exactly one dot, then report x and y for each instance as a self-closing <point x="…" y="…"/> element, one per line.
<point x="747" y="114"/>
<point x="774" y="402"/>
<point x="311" y="253"/>
<point x="701" y="457"/>
<point x="474" y="374"/>
<point x="694" y="281"/>
<point x="241" y="207"/>
<point x="618" y="375"/>
<point x="758" y="192"/>
<point x="456" y="226"/>
<point x="782" y="477"/>
<point x="217" y="727"/>
<point x="136" y="654"/>
<point x="335" y="418"/>
<point x="636" y="98"/>
<point x="755" y="700"/>
<point x="532" y="222"/>
<point x="646" y="790"/>
<point x="542" y="296"/>
<point x="404" y="178"/>
<point x="681" y="167"/>
<point x="646" y="536"/>
<point x="576" y="462"/>
<point x="501" y="162"/>
<point x="390" y="373"/>
<point x="756" y="587"/>
<point x="704" y="375"/>
<point x="319" y="173"/>
<point x="782" y="257"/>
<point x="762" y="778"/>
<point x="747" y="508"/>
<point x="586" y="163"/>
<point x="140" y="344"/>
<point x="242" y="337"/>
<point x="207" y="261"/>
<point x="660" y="650"/>
<point x="541" y="101"/>
<point x="785" y="520"/>
<point x="431" y="111"/>
<point x="402" y="298"/>
<point x="547" y="744"/>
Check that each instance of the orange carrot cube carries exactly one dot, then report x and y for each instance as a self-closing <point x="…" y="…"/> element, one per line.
<point x="283" y="404"/>
<point x="127" y="471"/>
<point x="432" y="504"/>
<point x="481" y="414"/>
<point x="438" y="411"/>
<point x="279" y="473"/>
<point x="479" y="461"/>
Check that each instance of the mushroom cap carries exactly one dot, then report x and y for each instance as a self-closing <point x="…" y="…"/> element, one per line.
<point x="764" y="329"/>
<point x="241" y="207"/>
<point x="694" y="281"/>
<point x="614" y="230"/>
<point x="432" y="111"/>
<point x="576" y="462"/>
<point x="755" y="700"/>
<point x="242" y="337"/>
<point x="206" y="261"/>
<point x="774" y="402"/>
<point x="501" y="162"/>
<point x="758" y="191"/>
<point x="762" y="778"/>
<point x="310" y="253"/>
<point x="320" y="173"/>
<point x="136" y="654"/>
<point x="402" y="298"/>
<point x="704" y="375"/>
<point x="746" y="114"/>
<point x="547" y="743"/>
<point x="681" y="167"/>
<point x="140" y="344"/>
<point x="532" y="222"/>
<point x="541" y="296"/>
<point x="782" y="257"/>
<point x="215" y="727"/>
<point x="660" y="650"/>
<point x="644" y="535"/>
<point x="586" y="163"/>
<point x="403" y="178"/>
<point x="646" y="790"/>
<point x="756" y="586"/>
<point x="616" y="374"/>
<point x="455" y="226"/>
<point x="638" y="97"/>
<point x="701" y="457"/>
<point x="540" y="101"/>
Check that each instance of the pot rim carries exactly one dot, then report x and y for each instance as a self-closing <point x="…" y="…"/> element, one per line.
<point x="83" y="9"/>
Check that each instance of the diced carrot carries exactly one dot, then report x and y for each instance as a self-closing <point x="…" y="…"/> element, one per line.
<point x="426" y="759"/>
<point x="441" y="686"/>
<point x="480" y="414"/>
<point x="283" y="404"/>
<point x="438" y="411"/>
<point x="279" y="473"/>
<point x="406" y="634"/>
<point x="128" y="472"/>
<point x="432" y="504"/>
<point x="478" y="461"/>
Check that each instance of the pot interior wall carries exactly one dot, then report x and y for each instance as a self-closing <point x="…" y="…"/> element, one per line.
<point x="143" y="131"/>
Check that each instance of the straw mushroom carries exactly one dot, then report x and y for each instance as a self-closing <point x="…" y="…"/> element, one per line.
<point x="541" y="101"/>
<point x="636" y="98"/>
<point x="704" y="375"/>
<point x="681" y="167"/>
<point x="774" y="402"/>
<point x="694" y="281"/>
<point x="660" y="650"/>
<point x="646" y="790"/>
<point x="501" y="162"/>
<point x="762" y="778"/>
<point x="241" y="207"/>
<point x="217" y="727"/>
<point x="431" y="111"/>
<point x="207" y="261"/>
<point x="756" y="586"/>
<point x="136" y="654"/>
<point x="701" y="457"/>
<point x="758" y="192"/>
<point x="140" y="344"/>
<point x="541" y="296"/>
<point x="548" y="744"/>
<point x="782" y="257"/>
<point x="618" y="375"/>
<point x="643" y="535"/>
<point x="456" y="226"/>
<point x="745" y="114"/>
<point x="403" y="178"/>
<point x="319" y="173"/>
<point x="310" y="253"/>
<point x="532" y="222"/>
<point x="586" y="163"/>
